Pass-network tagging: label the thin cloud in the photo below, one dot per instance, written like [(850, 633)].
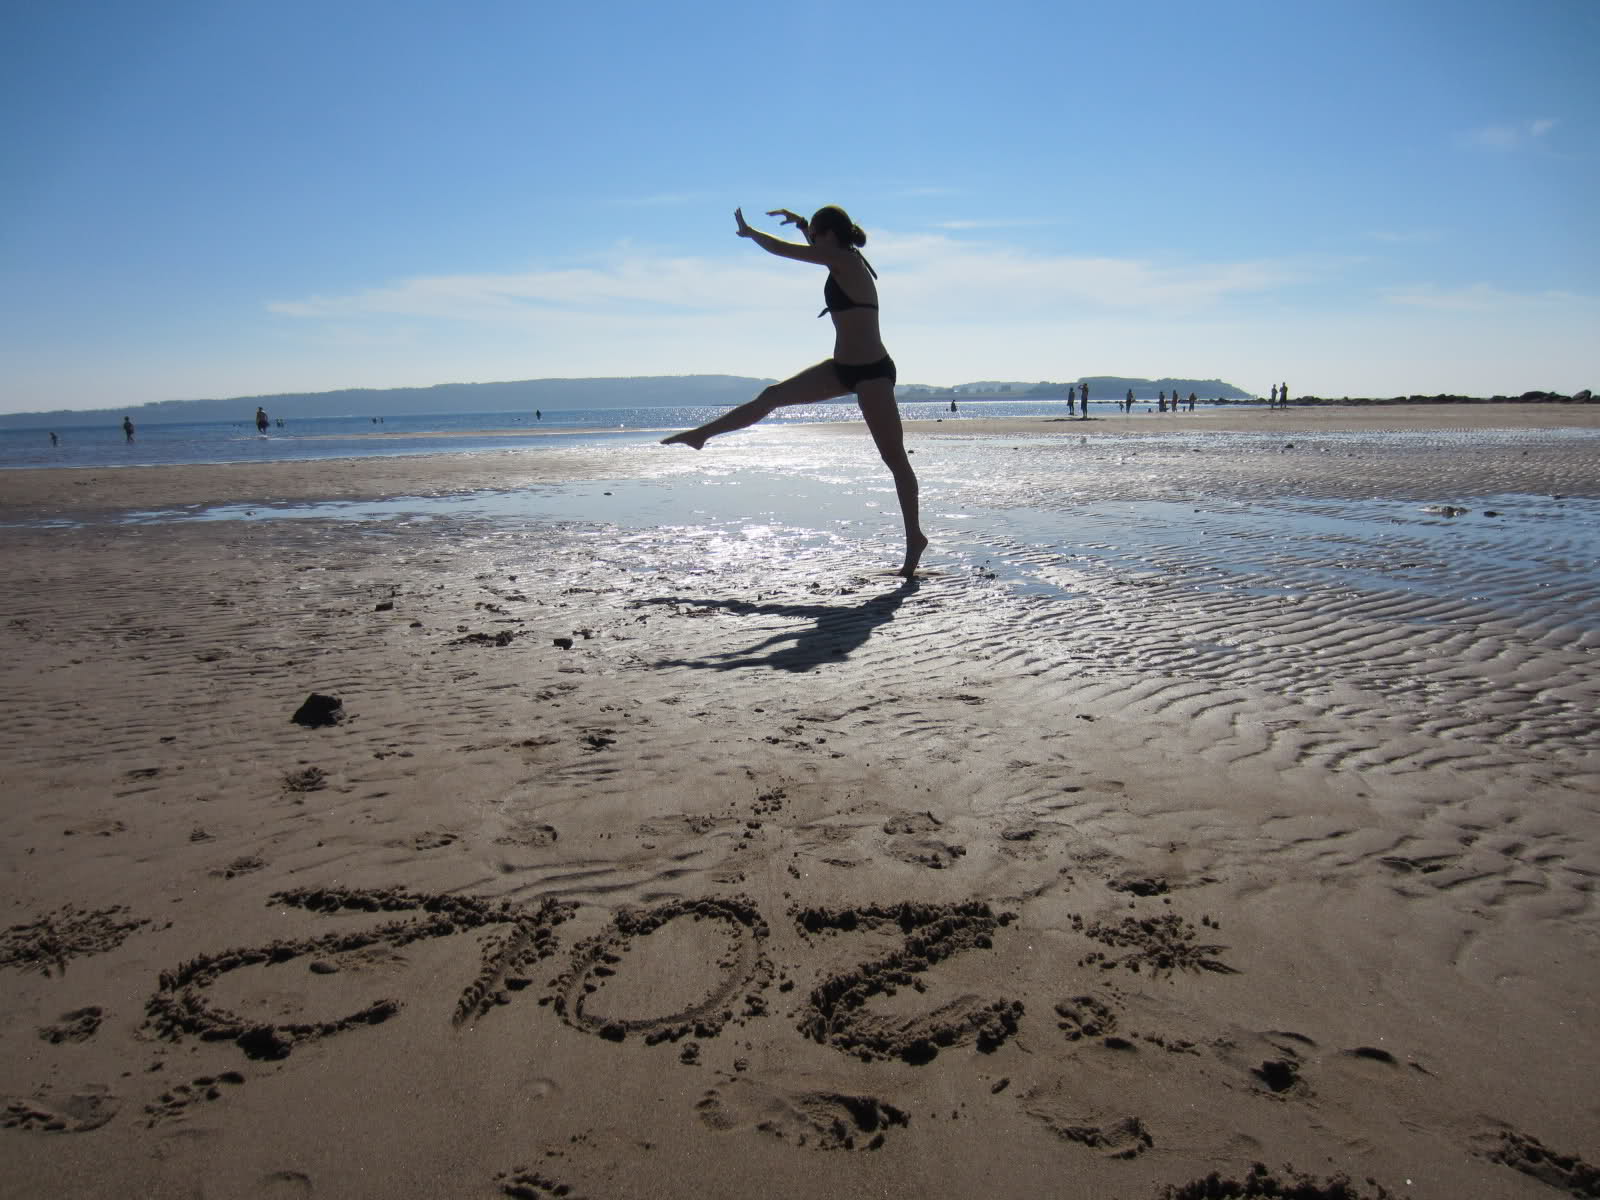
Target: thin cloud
[(992, 281), (637, 285), (1482, 298), (929, 280), (1509, 135)]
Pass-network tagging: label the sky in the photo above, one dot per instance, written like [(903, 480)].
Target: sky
[(211, 198)]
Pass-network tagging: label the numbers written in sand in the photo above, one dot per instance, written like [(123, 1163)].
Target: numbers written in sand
[(637, 977), (185, 1005)]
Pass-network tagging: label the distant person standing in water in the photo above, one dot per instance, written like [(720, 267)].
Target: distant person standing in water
[(127, 428), (1083, 401), (860, 365), (261, 421), (1283, 394), (54, 440)]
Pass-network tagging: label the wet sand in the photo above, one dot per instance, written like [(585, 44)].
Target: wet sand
[(1207, 804), (1319, 419), (34, 493)]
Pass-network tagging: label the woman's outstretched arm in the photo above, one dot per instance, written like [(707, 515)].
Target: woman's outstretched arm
[(772, 245)]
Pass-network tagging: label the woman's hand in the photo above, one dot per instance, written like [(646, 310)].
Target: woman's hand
[(744, 230), (792, 218)]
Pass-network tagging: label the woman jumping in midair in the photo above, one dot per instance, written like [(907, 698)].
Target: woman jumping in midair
[(859, 365)]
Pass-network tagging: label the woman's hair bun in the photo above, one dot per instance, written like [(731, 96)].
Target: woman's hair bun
[(858, 237)]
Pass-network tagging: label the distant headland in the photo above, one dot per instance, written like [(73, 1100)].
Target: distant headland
[(525, 395), (652, 391)]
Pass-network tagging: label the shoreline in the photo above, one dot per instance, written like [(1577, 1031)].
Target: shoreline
[(41, 492)]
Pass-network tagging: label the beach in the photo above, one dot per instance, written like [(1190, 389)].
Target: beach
[(1226, 792)]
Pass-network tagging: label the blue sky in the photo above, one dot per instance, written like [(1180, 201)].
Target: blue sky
[(222, 198)]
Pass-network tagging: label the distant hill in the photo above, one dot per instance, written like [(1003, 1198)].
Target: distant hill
[(523, 396), (1101, 387), (518, 396)]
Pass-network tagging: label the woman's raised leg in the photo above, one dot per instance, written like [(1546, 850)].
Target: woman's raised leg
[(876, 398), (820, 382)]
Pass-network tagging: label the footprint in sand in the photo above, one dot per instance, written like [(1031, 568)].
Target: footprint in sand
[(911, 841), (1085, 1017), (817, 1120), (307, 779), (1522, 1152), (523, 1184), (78, 1111), (433, 839), (1063, 1113), (242, 865), (530, 835), (102, 827), (174, 1103), (79, 1025), (1139, 885)]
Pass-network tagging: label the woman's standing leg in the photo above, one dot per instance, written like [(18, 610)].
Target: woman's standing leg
[(876, 398), (820, 382)]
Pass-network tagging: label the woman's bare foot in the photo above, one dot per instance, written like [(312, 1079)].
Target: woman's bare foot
[(689, 437), (914, 548)]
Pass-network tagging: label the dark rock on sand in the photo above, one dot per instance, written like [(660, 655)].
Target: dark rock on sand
[(1279, 1074), (319, 710)]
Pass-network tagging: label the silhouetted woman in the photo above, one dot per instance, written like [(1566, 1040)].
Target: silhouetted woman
[(860, 365)]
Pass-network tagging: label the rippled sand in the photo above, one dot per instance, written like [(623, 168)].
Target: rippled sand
[(1213, 800)]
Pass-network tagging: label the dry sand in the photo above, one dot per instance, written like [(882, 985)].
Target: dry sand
[(642, 867)]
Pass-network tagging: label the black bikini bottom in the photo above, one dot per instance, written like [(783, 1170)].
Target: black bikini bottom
[(851, 375)]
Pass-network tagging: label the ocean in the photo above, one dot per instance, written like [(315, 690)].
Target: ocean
[(176, 443)]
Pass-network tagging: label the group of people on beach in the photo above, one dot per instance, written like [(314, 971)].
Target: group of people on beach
[(128, 429)]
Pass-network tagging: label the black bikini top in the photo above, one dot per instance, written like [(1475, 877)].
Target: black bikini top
[(835, 297)]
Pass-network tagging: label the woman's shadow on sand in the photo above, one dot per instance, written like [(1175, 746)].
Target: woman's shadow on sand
[(836, 631)]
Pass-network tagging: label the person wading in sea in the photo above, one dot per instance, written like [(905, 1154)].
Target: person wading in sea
[(860, 365)]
